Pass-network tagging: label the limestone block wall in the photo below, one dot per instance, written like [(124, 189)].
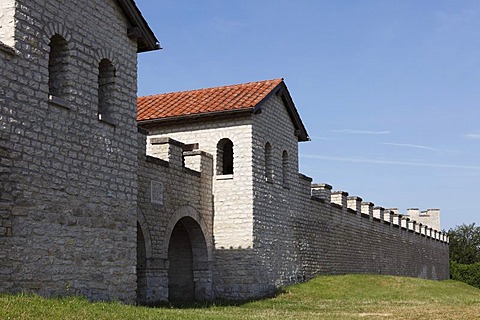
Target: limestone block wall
[(297, 237), (69, 187), (305, 236), (233, 200), (294, 235), (175, 183), (271, 259), (6, 147), (357, 242)]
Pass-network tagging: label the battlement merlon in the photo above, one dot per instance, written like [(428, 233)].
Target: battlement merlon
[(166, 149), (379, 212), (367, 208), (388, 215), (199, 160), (179, 154), (340, 198), (355, 203), (322, 191)]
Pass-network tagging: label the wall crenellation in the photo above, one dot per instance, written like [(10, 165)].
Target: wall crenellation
[(424, 223), (179, 154)]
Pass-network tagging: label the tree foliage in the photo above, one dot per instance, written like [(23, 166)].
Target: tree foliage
[(468, 273), (465, 244)]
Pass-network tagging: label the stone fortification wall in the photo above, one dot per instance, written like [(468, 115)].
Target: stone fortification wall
[(297, 236), (358, 237), (232, 200), (175, 183), (304, 236), (233, 192), (292, 235), (69, 187)]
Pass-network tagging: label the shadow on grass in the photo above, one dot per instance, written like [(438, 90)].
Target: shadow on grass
[(211, 303)]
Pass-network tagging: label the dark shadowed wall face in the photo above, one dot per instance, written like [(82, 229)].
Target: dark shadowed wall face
[(72, 178)]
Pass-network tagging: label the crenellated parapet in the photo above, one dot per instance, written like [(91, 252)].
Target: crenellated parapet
[(423, 223), (180, 155)]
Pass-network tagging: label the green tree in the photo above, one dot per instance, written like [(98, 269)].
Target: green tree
[(465, 244)]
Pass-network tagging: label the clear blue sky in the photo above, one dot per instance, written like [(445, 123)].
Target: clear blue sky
[(389, 90)]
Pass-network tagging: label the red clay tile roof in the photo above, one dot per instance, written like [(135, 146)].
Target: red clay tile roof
[(180, 106), (205, 101)]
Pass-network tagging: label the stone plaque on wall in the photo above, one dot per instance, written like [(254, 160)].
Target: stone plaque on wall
[(156, 192)]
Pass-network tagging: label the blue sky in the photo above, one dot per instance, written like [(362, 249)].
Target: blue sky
[(389, 90)]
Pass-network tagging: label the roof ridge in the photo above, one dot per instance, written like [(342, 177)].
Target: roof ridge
[(217, 87)]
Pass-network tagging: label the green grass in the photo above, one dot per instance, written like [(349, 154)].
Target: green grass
[(325, 297)]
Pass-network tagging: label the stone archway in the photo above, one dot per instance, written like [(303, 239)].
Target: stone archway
[(148, 291), (189, 271), (141, 266), (181, 286)]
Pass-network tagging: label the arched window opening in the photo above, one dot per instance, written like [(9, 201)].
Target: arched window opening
[(268, 163), (225, 157), (58, 67), (285, 168), (106, 90)]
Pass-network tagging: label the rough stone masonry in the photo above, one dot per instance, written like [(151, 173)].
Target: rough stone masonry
[(91, 204)]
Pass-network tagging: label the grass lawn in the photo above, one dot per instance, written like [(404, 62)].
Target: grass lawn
[(325, 297)]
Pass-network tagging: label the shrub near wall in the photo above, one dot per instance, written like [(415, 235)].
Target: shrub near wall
[(468, 273)]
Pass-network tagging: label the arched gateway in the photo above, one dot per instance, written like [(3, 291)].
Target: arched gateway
[(181, 271), (189, 256)]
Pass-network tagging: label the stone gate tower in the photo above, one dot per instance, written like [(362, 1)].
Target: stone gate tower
[(68, 146), (252, 130), (271, 225)]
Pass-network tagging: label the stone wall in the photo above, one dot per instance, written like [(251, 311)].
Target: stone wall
[(175, 184), (295, 235), (357, 242), (233, 201), (69, 186), (84, 211)]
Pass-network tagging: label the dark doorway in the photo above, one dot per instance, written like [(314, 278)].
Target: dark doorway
[(181, 286), (189, 273)]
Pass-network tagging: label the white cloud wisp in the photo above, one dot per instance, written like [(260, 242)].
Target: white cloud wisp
[(391, 162)]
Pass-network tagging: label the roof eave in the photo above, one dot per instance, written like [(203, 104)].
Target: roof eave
[(300, 130), (195, 116), (140, 30)]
